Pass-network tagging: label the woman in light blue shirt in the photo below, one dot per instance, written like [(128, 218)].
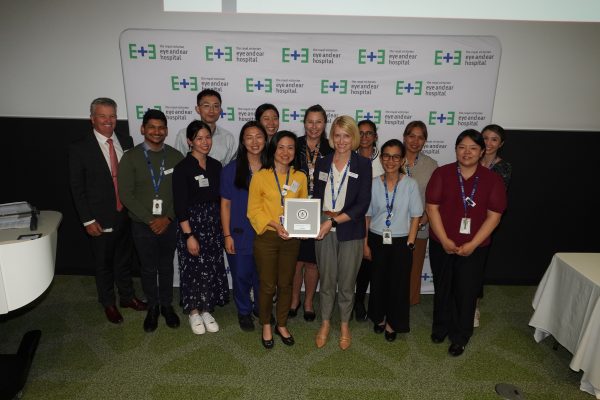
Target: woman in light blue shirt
[(392, 221)]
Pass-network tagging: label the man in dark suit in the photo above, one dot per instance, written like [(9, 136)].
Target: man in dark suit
[(93, 175)]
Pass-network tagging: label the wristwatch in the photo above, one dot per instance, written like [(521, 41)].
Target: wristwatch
[(187, 235), (411, 246), (333, 222)]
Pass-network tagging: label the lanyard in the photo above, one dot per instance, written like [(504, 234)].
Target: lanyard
[(462, 189), (334, 197), (282, 192), (389, 206), (414, 165), (311, 167), (155, 182)]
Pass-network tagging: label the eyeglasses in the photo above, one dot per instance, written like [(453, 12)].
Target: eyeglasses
[(367, 134), (395, 157)]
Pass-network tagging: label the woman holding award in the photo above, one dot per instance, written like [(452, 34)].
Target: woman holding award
[(343, 183), (274, 251)]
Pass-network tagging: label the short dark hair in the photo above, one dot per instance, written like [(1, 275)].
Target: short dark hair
[(152, 113), (242, 169), (496, 129), (260, 110), (273, 147), (194, 127), (397, 143), (316, 108), (474, 135), (102, 101), (370, 123), (415, 124), (208, 92)]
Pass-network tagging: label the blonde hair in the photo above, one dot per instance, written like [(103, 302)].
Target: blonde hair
[(348, 125)]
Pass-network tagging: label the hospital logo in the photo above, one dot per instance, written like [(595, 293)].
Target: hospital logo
[(288, 54), (340, 86), (224, 53), (443, 57), (186, 83), (141, 110), (374, 116), (147, 52), (265, 85), (405, 87), (288, 115), (440, 118), (228, 113), (377, 56)]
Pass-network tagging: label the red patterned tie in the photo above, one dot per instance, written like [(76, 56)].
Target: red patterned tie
[(114, 166)]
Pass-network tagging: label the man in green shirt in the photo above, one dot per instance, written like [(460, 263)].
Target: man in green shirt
[(145, 175)]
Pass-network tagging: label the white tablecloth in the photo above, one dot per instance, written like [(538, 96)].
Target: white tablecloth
[(567, 306)]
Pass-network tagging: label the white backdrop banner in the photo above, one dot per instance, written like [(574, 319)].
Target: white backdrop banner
[(448, 82)]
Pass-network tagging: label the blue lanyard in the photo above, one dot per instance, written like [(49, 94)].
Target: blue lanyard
[(333, 196), (156, 182), (414, 165), (462, 188), (389, 206), (282, 192)]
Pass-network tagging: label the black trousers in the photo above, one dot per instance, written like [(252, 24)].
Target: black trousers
[(390, 282), (156, 258), (363, 279), (457, 281), (112, 253)]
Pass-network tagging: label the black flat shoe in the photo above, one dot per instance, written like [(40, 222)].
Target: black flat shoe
[(437, 339), (267, 344), (288, 341), (170, 315), (309, 316), (293, 311), (456, 350), (151, 320), (390, 336), (378, 328)]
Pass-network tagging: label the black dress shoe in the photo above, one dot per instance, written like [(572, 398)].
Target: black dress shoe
[(378, 328), (437, 339), (170, 315), (360, 313), (390, 336), (151, 320), (309, 316), (293, 311), (288, 341), (113, 314), (456, 350), (246, 322), (267, 344), (135, 304)]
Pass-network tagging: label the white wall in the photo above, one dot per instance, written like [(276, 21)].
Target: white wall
[(56, 56)]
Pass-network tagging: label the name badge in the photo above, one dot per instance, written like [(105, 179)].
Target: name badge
[(157, 207), (323, 176), (295, 186), (465, 226), (168, 171), (387, 236), (202, 181), (352, 175)]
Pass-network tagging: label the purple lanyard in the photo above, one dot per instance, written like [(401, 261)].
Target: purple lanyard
[(462, 189), (389, 206), (333, 196)]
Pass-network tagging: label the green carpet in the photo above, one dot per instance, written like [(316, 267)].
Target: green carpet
[(82, 356)]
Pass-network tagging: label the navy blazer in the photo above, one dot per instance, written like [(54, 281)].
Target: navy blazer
[(358, 194), (91, 180)]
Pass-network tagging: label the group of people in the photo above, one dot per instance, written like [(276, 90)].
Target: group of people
[(209, 194)]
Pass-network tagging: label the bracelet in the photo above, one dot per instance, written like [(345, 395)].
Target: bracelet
[(226, 236)]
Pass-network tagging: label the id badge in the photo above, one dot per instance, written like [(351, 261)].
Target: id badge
[(157, 207), (282, 220), (387, 236), (465, 226)]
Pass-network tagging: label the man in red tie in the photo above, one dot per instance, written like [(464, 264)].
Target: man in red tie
[(93, 167)]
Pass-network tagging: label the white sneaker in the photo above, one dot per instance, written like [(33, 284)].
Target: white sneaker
[(476, 319), (197, 324), (209, 322)]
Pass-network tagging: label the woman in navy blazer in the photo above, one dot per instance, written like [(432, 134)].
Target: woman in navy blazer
[(343, 183)]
